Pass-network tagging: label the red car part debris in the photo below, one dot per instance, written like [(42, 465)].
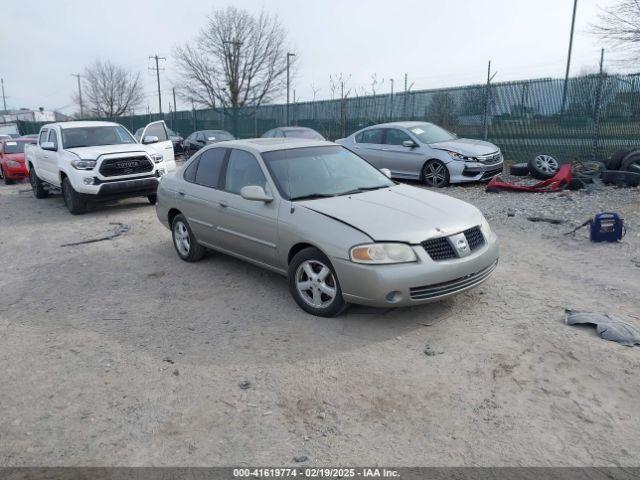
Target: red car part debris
[(559, 181)]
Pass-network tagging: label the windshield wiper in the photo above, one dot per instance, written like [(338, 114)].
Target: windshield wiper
[(363, 189), (311, 196)]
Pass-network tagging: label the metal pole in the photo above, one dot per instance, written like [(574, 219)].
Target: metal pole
[(566, 75), (4, 99), (77, 75), (404, 104), (289, 55), (486, 103), (596, 123), (391, 101)]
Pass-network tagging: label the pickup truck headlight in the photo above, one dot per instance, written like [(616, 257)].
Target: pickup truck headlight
[(83, 164), (157, 157), (382, 253), (459, 156)]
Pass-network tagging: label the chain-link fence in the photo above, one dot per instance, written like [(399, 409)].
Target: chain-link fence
[(599, 114)]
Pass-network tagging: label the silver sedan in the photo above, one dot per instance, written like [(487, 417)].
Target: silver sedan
[(424, 151), (338, 228)]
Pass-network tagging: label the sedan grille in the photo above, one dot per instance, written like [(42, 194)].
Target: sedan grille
[(441, 248), (113, 167), (452, 286), (490, 159)]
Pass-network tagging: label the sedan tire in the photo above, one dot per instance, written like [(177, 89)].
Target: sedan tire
[(7, 181), (435, 174), (519, 169), (184, 241), (631, 162), (314, 285)]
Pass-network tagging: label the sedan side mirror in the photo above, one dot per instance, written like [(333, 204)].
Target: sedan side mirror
[(48, 146), (150, 139), (386, 172), (409, 144), (255, 193)]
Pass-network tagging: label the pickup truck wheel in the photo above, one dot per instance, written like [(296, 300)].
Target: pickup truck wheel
[(36, 184), (153, 198), (184, 240), (71, 198)]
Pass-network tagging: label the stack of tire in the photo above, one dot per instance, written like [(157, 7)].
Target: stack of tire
[(622, 168), (541, 167)]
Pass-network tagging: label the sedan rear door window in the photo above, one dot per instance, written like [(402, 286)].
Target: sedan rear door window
[(371, 136), (209, 167)]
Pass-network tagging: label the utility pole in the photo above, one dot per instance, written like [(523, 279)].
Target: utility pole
[(566, 75), (289, 55), (487, 96), (77, 75), (157, 69), (173, 89), (404, 98), (4, 98), (295, 107)]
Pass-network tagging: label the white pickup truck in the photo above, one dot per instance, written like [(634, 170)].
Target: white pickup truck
[(96, 161)]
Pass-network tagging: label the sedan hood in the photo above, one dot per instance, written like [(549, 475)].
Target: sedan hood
[(92, 153), (16, 157), (401, 213), (466, 146)]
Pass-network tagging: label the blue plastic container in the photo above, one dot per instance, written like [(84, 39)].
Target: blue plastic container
[(607, 227)]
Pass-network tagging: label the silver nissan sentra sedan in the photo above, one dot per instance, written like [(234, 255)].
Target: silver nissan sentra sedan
[(337, 227)]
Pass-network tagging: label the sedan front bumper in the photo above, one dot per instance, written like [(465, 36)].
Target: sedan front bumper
[(415, 283), (473, 171)]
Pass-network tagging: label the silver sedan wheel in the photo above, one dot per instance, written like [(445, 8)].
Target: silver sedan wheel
[(182, 238), (435, 174), (547, 164), (315, 284)]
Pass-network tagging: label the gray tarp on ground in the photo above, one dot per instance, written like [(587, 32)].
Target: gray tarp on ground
[(608, 327)]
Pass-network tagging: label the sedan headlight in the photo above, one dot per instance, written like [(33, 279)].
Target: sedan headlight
[(459, 156), (83, 164), (484, 225), (157, 157), (13, 163), (379, 253)]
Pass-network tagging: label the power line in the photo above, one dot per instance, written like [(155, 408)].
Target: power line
[(157, 69)]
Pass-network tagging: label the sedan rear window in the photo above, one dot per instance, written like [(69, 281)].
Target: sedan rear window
[(15, 147)]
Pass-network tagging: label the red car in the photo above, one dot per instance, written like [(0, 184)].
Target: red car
[(12, 165)]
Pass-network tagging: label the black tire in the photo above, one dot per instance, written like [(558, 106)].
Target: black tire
[(615, 160), (620, 178), (519, 169), (543, 166), (36, 184), (316, 260), (153, 198), (72, 200), (631, 162), (435, 174), (7, 181), (576, 184), (191, 251)]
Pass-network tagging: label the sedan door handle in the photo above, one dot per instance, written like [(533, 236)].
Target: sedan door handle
[(223, 204), (181, 194)]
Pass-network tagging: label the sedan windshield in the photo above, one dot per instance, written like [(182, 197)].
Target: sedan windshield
[(317, 172), (303, 133), (94, 136), (15, 147), (430, 133)]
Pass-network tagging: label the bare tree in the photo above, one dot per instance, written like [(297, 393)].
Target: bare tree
[(237, 60), (619, 26), (110, 90)]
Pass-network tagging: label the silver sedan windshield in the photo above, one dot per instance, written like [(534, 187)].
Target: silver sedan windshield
[(430, 133), (316, 172)]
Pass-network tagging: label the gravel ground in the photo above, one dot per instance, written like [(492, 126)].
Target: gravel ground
[(118, 353)]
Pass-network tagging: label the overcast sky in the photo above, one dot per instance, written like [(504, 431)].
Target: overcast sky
[(437, 43)]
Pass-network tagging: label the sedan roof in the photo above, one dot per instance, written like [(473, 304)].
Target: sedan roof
[(260, 145)]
